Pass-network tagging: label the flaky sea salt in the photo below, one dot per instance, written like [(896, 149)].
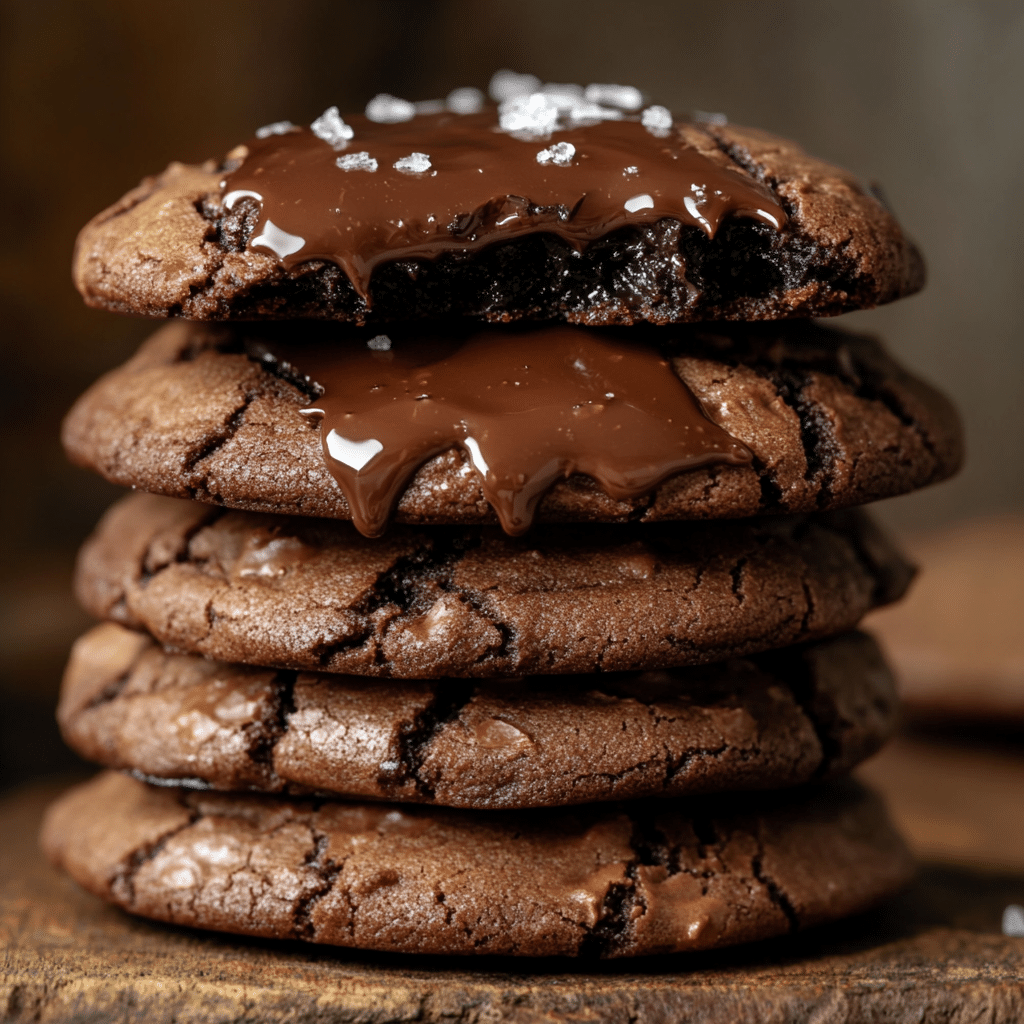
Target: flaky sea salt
[(505, 84), (626, 97), (535, 114), (551, 107), (357, 162), (414, 163), (560, 154), (563, 94), (380, 343), (387, 109), (331, 128), (657, 120), (631, 169), (584, 112), (277, 128), (1013, 921), (465, 101), (573, 105)]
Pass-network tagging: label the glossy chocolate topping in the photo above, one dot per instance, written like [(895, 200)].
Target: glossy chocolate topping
[(442, 182), (527, 407)]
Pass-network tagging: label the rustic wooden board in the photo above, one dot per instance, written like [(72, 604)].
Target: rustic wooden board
[(934, 954)]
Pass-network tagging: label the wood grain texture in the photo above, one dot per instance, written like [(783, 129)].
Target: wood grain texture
[(934, 954)]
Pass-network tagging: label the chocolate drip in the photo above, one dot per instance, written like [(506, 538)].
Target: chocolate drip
[(478, 185), (527, 407)]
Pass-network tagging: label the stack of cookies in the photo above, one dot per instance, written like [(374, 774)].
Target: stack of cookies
[(495, 585)]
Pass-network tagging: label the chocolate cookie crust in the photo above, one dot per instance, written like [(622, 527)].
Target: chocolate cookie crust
[(606, 881), (831, 419), (170, 248), (764, 723), (470, 602)]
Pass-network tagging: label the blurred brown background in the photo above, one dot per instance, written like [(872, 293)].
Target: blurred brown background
[(923, 96)]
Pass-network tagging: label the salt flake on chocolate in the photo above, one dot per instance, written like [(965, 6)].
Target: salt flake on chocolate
[(506, 84), (465, 101), (379, 343), (657, 120), (1013, 921), (414, 163), (560, 154), (387, 109), (626, 97), (590, 113), (533, 115), (574, 107), (357, 162), (277, 128), (332, 129), (563, 94)]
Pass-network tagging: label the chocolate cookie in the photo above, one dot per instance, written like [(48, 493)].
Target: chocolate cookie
[(596, 220), (612, 880), (313, 594), (764, 723), (829, 419)]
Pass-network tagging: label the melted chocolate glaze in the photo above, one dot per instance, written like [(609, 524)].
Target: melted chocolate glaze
[(527, 407), (482, 186)]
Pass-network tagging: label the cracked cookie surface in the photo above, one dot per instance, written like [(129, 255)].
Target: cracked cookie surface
[(605, 880), (831, 419), (312, 594), (170, 248), (761, 723)]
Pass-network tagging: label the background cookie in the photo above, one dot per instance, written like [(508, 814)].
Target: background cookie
[(600, 881), (957, 642), (313, 594), (831, 419), (172, 247), (763, 723)]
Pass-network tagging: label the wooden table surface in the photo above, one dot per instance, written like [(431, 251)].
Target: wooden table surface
[(934, 954)]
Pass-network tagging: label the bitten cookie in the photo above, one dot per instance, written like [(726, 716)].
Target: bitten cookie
[(830, 419), (605, 880), (312, 594), (611, 221), (762, 723)]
